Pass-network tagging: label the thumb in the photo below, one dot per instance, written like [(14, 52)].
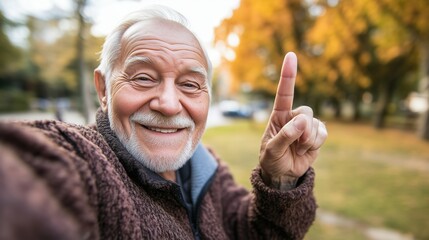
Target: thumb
[(290, 132)]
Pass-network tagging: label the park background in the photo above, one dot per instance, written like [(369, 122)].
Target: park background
[(363, 68)]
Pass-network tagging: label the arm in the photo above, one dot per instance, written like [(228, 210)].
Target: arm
[(266, 213), (40, 190)]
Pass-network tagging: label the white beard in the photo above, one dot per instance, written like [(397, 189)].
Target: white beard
[(157, 163)]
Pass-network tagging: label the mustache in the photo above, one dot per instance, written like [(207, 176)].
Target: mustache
[(155, 119)]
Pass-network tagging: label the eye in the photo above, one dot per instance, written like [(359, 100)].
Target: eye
[(144, 80), (190, 86)]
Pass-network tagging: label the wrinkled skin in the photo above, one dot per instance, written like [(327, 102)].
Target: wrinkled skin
[(162, 72), (293, 137)]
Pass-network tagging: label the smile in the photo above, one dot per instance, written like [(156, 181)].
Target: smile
[(163, 130)]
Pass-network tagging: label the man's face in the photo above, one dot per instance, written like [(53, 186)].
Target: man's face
[(159, 95)]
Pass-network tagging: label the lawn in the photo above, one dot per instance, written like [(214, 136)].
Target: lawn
[(376, 178)]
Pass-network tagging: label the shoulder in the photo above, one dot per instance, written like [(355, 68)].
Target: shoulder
[(49, 134), (59, 131)]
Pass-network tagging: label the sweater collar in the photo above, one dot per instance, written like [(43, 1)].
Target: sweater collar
[(203, 167)]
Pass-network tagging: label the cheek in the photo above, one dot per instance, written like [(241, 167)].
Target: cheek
[(198, 111), (125, 101)]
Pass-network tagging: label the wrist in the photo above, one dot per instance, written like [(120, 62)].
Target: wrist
[(282, 182)]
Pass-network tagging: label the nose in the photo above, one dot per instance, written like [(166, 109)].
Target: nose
[(167, 100)]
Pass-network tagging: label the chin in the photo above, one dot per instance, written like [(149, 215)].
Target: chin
[(157, 162)]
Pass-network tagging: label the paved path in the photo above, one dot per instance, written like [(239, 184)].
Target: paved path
[(215, 118), (69, 116), (372, 233), (406, 162)]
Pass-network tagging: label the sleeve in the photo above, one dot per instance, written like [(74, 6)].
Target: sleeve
[(41, 193), (275, 214), (267, 213)]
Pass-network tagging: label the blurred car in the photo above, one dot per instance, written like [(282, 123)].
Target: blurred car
[(234, 109)]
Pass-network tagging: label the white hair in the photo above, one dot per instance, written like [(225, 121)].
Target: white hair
[(112, 45)]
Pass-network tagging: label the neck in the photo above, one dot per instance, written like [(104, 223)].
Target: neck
[(169, 175)]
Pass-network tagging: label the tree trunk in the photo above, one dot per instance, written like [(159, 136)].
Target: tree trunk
[(356, 100), (381, 111), (86, 101), (383, 103), (423, 129), (337, 107)]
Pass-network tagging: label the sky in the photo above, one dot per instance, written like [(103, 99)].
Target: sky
[(203, 15)]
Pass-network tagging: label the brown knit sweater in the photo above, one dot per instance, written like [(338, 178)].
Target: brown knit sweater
[(64, 181)]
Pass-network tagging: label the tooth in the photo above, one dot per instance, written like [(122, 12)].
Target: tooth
[(164, 130)]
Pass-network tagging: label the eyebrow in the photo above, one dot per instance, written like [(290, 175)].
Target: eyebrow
[(199, 70), (146, 60), (136, 60)]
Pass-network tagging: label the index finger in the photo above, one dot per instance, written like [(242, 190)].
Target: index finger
[(285, 89)]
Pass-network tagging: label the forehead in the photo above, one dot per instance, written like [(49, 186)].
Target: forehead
[(161, 35)]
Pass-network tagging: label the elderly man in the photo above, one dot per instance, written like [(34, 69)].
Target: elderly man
[(141, 172)]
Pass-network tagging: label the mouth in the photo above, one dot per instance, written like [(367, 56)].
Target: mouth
[(163, 130)]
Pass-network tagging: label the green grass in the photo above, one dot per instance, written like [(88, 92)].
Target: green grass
[(361, 174), (237, 144)]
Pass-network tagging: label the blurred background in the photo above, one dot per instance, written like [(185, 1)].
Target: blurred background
[(363, 68)]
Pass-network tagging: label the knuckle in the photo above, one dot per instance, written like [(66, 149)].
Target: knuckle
[(323, 132), (307, 110)]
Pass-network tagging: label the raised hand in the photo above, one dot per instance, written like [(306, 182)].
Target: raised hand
[(292, 139)]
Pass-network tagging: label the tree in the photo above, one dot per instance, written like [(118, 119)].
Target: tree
[(266, 31), (363, 51), (49, 57), (86, 104), (61, 63), (413, 18), (346, 49), (10, 54), (13, 80)]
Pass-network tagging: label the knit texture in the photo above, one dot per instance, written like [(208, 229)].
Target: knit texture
[(64, 181)]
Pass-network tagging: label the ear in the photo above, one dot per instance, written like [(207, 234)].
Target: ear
[(100, 87)]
